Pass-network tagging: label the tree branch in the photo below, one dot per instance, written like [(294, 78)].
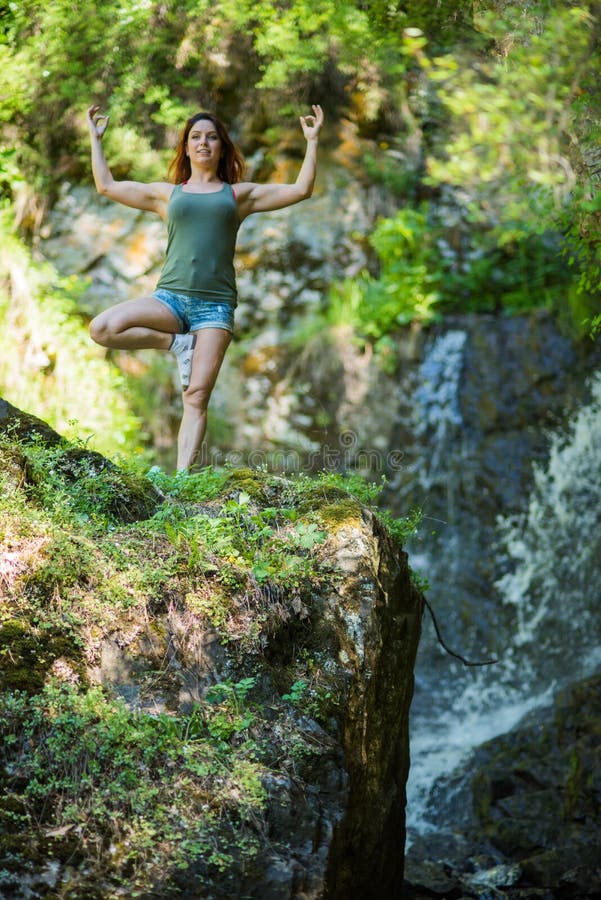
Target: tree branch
[(466, 662)]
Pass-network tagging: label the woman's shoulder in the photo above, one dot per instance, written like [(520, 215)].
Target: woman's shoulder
[(162, 189), (242, 189)]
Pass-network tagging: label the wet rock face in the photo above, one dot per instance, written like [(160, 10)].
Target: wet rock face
[(532, 826), (520, 377), (537, 793)]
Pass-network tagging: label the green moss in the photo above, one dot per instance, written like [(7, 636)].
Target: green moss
[(27, 654), (80, 757), (13, 466), (316, 497), (193, 487), (328, 486), (315, 693), (64, 560), (340, 513), (214, 605), (250, 481)]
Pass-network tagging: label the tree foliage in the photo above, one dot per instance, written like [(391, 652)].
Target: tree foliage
[(57, 55), (521, 125), (508, 131)]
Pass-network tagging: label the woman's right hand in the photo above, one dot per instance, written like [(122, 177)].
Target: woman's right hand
[(97, 124)]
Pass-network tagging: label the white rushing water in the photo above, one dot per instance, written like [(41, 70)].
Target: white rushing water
[(555, 546), (551, 591), (436, 414)]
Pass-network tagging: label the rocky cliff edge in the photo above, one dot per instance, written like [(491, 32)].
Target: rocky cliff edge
[(205, 681)]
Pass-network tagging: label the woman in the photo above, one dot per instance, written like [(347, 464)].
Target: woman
[(191, 312)]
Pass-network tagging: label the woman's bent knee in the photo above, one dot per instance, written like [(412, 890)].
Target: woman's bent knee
[(98, 332)]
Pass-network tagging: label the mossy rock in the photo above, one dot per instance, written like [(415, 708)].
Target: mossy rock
[(317, 497), (536, 789), (63, 562), (249, 481), (126, 497), (33, 453), (346, 511), (13, 465), (229, 785), (25, 428), (96, 486), (26, 656)]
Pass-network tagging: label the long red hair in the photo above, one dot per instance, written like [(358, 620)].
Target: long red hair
[(231, 165)]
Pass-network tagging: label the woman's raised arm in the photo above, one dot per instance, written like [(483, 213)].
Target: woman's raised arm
[(266, 197), (152, 197)]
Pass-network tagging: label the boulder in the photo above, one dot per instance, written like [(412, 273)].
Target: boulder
[(533, 827), (179, 717), (537, 793)]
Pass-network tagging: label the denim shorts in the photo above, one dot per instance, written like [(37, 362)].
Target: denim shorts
[(194, 313)]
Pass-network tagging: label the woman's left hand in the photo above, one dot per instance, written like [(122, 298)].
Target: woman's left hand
[(312, 124)]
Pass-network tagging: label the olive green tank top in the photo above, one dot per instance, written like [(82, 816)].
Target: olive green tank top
[(201, 240)]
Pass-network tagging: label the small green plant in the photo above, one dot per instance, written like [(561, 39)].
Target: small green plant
[(594, 326), (297, 691), (419, 580), (316, 486), (229, 712), (402, 527), (307, 536), (190, 486), (81, 486), (267, 544), (312, 697)]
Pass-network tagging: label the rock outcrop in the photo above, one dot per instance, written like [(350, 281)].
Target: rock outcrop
[(528, 813), (208, 700)]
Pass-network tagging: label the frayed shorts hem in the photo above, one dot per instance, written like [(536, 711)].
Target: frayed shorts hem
[(221, 325)]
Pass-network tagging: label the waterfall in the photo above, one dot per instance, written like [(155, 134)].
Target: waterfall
[(436, 415), (548, 614), (556, 545)]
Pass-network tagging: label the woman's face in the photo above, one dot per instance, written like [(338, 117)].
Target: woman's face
[(204, 144)]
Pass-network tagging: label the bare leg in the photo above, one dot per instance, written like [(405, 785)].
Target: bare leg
[(135, 325), (211, 344)]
